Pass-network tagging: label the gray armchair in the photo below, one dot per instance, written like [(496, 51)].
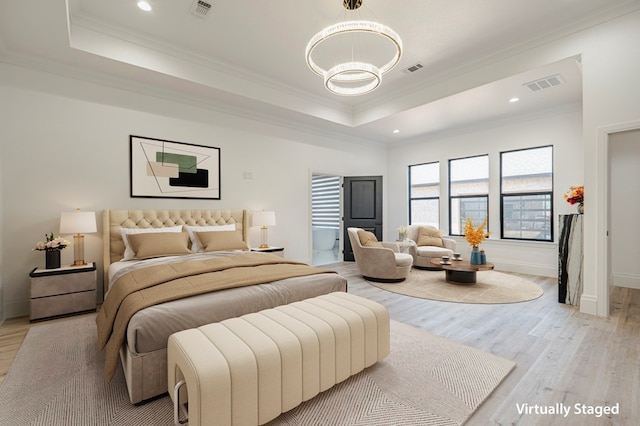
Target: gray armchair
[(381, 262), (428, 248)]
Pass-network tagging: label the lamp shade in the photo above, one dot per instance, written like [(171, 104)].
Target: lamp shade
[(263, 218), (77, 222)]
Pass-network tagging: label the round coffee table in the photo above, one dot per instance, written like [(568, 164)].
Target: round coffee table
[(461, 271)]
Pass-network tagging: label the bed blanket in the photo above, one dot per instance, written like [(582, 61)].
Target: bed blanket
[(156, 284)]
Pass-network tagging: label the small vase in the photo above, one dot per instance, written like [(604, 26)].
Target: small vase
[(475, 256), (402, 236), (581, 208), (52, 259)]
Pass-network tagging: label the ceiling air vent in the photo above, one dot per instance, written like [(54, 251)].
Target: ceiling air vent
[(545, 83), (413, 68), (201, 8)]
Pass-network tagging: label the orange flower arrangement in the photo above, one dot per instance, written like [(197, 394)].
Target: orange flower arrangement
[(575, 194), (475, 235)]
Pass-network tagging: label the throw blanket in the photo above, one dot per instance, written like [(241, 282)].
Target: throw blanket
[(156, 284)]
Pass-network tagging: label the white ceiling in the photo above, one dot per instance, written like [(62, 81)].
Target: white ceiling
[(248, 57)]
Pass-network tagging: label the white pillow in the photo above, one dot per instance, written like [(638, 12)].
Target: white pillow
[(195, 244), (128, 252)]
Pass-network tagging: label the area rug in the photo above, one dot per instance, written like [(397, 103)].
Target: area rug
[(491, 287), (57, 379)]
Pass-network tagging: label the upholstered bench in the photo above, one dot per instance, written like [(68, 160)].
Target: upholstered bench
[(249, 370)]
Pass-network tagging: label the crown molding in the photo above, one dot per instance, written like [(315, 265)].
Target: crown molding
[(336, 139)]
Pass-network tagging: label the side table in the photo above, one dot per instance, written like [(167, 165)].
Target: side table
[(62, 291), (404, 245)]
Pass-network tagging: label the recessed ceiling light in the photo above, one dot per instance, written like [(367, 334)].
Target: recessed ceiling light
[(143, 5), (513, 100), (396, 131)]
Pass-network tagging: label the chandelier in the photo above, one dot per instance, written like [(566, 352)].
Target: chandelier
[(354, 75)]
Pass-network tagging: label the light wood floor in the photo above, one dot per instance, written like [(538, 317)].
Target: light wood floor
[(562, 356)]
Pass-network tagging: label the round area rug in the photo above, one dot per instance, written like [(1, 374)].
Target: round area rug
[(491, 287)]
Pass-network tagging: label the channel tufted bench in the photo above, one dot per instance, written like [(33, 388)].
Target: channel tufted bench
[(249, 370)]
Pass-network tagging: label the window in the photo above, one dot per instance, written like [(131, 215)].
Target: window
[(526, 182), (468, 192), (424, 194)]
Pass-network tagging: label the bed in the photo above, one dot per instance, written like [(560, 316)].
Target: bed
[(142, 347)]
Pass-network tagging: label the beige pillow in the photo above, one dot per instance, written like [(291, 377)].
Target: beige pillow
[(125, 232), (429, 236), (221, 240), (159, 244), (195, 244), (368, 239)]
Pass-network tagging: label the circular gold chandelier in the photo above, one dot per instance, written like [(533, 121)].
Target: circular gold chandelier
[(353, 77)]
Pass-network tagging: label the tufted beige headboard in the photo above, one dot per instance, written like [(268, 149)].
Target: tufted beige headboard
[(113, 220)]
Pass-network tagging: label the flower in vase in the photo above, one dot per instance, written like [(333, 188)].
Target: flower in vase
[(51, 243), (575, 195), (475, 235), (402, 231)]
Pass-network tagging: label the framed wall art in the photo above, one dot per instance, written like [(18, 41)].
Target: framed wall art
[(168, 169)]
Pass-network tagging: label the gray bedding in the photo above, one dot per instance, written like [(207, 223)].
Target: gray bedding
[(150, 328)]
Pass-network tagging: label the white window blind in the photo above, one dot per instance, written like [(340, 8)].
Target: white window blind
[(325, 201)]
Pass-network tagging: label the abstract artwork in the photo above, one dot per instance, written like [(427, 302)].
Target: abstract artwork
[(167, 169)]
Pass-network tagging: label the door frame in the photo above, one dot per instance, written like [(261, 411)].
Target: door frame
[(600, 255)]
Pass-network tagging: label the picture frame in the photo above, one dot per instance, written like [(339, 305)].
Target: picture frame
[(169, 169)]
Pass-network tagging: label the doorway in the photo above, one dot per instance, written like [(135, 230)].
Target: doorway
[(605, 235), (624, 157), (362, 208), (326, 207)]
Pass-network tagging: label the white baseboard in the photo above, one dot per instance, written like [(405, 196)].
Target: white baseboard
[(588, 304), (526, 268), (625, 280)]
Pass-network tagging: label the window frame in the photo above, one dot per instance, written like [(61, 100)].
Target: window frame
[(411, 199), (451, 197), (524, 194)]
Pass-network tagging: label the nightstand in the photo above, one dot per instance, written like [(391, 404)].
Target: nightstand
[(275, 250), (62, 291)]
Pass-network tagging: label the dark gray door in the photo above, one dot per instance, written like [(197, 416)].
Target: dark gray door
[(362, 208)]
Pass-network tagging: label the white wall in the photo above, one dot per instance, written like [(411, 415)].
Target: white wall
[(624, 155), (61, 153), (561, 128), (3, 111), (611, 65)]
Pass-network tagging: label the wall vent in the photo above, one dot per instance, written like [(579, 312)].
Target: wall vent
[(413, 68), (201, 8), (545, 83)]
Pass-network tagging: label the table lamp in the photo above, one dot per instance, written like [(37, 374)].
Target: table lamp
[(263, 219), (78, 223)]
